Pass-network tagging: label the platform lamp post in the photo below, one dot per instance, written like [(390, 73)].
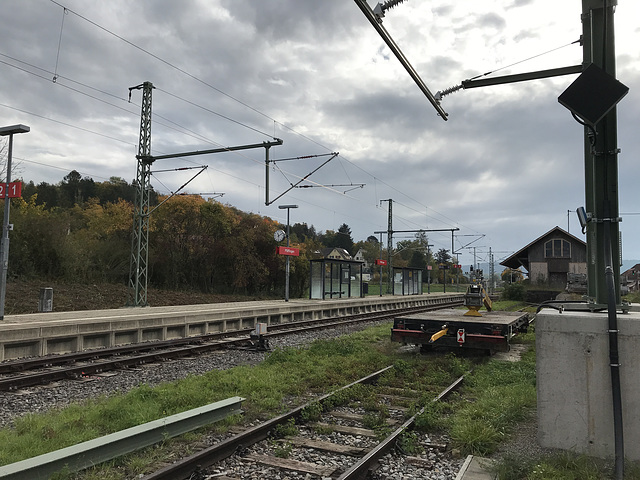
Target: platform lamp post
[(6, 226), (286, 288)]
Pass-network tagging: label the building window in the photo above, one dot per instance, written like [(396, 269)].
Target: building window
[(557, 248)]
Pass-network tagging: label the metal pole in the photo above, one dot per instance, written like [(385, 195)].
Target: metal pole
[(389, 248), (601, 158), (286, 293), (6, 226), (428, 270), (380, 265), (4, 255)]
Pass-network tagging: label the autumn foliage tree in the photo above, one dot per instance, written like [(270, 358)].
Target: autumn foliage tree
[(80, 231)]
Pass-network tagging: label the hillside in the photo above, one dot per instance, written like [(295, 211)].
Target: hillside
[(22, 296)]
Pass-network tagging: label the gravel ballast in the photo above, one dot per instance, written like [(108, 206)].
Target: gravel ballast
[(434, 464)]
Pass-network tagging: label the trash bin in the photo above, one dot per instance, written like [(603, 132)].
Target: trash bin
[(45, 302), (365, 288)]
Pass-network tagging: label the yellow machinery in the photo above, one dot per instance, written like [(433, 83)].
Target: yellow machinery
[(474, 299)]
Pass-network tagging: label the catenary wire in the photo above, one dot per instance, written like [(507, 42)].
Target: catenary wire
[(222, 92)]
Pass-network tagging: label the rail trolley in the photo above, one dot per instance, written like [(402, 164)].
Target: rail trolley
[(490, 331)]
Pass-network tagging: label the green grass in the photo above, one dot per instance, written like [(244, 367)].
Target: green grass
[(285, 374), (499, 395), (496, 397), (632, 297)]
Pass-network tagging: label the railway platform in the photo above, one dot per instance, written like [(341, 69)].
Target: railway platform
[(64, 332)]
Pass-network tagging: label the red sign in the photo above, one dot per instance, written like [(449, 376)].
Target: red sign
[(429, 267), (457, 266), (14, 190), (294, 252), (381, 262), (461, 336)]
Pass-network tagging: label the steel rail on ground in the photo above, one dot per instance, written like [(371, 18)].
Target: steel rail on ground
[(184, 468), (169, 349), (361, 469)]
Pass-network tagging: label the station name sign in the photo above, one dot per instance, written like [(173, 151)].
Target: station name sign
[(294, 252), (11, 190)]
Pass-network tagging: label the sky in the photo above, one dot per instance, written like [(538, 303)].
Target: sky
[(506, 167)]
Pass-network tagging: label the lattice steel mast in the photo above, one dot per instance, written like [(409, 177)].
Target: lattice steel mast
[(137, 293)]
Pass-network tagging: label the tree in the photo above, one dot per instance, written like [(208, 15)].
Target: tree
[(116, 188), (340, 239), (511, 275), (16, 166), (442, 256), (343, 238), (75, 189), (303, 231)]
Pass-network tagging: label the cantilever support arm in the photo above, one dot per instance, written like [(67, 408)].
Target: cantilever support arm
[(151, 158), (522, 77), (400, 56), (294, 185)]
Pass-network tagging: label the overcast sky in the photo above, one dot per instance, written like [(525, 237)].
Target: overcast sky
[(508, 164)]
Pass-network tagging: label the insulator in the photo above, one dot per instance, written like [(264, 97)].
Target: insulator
[(443, 93), (390, 4)]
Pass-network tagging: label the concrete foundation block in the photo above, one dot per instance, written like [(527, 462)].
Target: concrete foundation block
[(575, 407)]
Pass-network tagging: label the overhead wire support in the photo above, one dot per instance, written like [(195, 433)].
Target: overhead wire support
[(303, 157), (380, 9), (138, 270), (203, 194), (475, 82), (137, 291), (333, 185), (178, 169), (173, 194), (293, 185), (377, 24)]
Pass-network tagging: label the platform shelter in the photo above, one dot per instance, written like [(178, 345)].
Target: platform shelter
[(407, 281), (333, 278)]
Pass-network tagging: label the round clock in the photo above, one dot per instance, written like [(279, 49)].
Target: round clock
[(279, 235)]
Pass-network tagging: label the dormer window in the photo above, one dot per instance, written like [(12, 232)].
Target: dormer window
[(557, 248)]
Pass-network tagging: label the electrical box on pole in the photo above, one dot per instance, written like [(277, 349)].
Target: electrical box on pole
[(601, 156)]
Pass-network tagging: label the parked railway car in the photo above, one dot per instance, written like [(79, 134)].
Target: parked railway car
[(451, 328)]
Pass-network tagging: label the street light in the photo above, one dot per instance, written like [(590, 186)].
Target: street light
[(4, 242), (286, 288)]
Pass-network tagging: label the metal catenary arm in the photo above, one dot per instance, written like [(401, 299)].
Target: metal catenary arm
[(377, 24)]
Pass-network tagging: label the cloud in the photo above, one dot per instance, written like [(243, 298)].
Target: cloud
[(508, 163)]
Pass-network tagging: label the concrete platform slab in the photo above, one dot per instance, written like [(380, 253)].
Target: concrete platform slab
[(475, 468), (63, 332)]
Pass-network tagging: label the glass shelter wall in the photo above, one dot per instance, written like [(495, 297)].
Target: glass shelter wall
[(407, 281), (335, 279)]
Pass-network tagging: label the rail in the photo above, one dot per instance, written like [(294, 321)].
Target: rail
[(92, 452), (102, 360)]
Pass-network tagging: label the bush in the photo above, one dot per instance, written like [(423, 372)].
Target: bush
[(513, 291)]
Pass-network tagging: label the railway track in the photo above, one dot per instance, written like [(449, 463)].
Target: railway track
[(28, 372), (321, 439)]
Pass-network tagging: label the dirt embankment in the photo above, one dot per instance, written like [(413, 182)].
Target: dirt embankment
[(22, 296)]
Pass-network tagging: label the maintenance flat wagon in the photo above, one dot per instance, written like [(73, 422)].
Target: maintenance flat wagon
[(490, 331)]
